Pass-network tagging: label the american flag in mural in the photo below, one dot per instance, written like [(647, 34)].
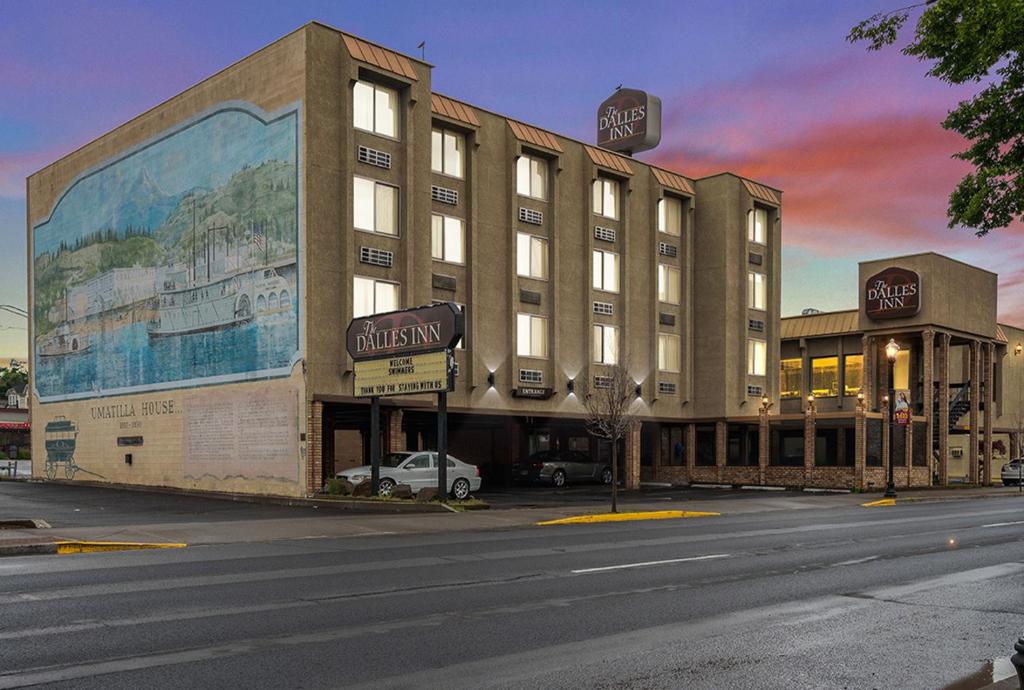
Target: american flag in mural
[(257, 238)]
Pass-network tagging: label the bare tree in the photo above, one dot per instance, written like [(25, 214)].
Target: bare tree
[(608, 400)]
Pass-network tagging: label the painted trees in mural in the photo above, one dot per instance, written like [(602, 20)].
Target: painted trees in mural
[(173, 264)]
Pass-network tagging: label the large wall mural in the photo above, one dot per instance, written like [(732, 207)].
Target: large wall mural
[(175, 264)]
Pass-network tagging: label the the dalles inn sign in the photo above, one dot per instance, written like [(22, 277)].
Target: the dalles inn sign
[(892, 294), (629, 121)]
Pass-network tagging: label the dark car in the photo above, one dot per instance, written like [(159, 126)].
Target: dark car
[(561, 467)]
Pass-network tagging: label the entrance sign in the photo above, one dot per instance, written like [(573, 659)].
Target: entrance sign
[(404, 352), (894, 293), (404, 374), (629, 121), (408, 331), (538, 393)]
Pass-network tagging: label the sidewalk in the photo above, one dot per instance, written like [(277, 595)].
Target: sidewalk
[(101, 514)]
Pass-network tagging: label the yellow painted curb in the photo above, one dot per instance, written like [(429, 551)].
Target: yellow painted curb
[(624, 517), (65, 547), (880, 502)]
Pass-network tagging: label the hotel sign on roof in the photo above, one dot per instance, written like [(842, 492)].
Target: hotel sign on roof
[(629, 121), (892, 294)]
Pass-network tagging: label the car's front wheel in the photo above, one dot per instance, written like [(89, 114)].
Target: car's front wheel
[(606, 475), (460, 489), (385, 487), (558, 478)]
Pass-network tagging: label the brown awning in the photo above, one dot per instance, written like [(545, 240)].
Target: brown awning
[(813, 325), (673, 181), (759, 191), (1001, 335), (532, 135), (609, 160), (380, 57), (442, 105)]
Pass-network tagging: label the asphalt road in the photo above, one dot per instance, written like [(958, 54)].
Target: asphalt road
[(914, 596)]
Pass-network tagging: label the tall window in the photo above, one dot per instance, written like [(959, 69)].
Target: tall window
[(606, 198), (668, 352), (901, 370), (447, 235), (668, 284), (375, 108), (531, 177), (757, 225), (853, 376), (825, 377), (789, 378), (606, 271), (606, 344), (756, 290), (531, 256), (670, 216), (757, 357), (371, 296), (374, 206), (531, 335), (446, 152)]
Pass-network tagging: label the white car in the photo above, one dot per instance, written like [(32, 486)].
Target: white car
[(418, 469)]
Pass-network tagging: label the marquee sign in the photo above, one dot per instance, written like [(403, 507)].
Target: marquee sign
[(629, 121), (894, 293), (404, 374), (408, 331)]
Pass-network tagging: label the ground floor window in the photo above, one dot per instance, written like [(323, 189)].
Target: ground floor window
[(673, 446), (741, 445), (705, 448)]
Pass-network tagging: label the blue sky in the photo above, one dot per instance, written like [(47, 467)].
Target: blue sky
[(768, 90)]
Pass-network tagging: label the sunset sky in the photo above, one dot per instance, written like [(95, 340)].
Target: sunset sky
[(767, 90)]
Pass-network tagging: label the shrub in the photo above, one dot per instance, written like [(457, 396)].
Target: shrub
[(24, 454)]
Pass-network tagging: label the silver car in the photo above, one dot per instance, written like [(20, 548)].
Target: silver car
[(1012, 472), (561, 467), (418, 469)]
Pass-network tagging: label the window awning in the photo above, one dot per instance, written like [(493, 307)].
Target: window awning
[(759, 191), (442, 105), (532, 135), (380, 57), (673, 181), (609, 160), (15, 426)]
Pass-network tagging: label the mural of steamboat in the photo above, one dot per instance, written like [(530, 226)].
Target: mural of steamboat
[(224, 303), (230, 298)]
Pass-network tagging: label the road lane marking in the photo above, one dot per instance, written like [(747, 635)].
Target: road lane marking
[(1005, 524), (855, 561), (645, 564)]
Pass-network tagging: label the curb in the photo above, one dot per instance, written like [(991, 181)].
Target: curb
[(626, 517), (24, 523), (947, 498), (69, 546)]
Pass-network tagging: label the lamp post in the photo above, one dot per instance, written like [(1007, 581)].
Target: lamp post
[(1019, 431), (892, 349)]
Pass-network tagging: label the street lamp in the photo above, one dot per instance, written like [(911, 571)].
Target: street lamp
[(892, 349)]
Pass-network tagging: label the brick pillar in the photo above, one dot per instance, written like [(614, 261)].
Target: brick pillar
[(886, 430), (396, 438), (868, 347), (975, 353), (691, 450), (763, 440), (314, 447), (908, 450), (990, 406), (810, 430), (632, 459), (860, 444), (928, 338), (943, 420), (720, 448)]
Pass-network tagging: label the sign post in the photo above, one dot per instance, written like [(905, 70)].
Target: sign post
[(401, 353)]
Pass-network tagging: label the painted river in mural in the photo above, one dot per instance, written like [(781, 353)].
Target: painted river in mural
[(174, 264)]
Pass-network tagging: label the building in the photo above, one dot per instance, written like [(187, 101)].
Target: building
[(959, 371), (321, 178)]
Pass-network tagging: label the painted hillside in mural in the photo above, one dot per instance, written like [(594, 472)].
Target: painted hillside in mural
[(174, 264)]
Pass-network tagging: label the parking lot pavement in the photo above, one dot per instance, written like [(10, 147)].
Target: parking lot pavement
[(64, 505), (540, 496)]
